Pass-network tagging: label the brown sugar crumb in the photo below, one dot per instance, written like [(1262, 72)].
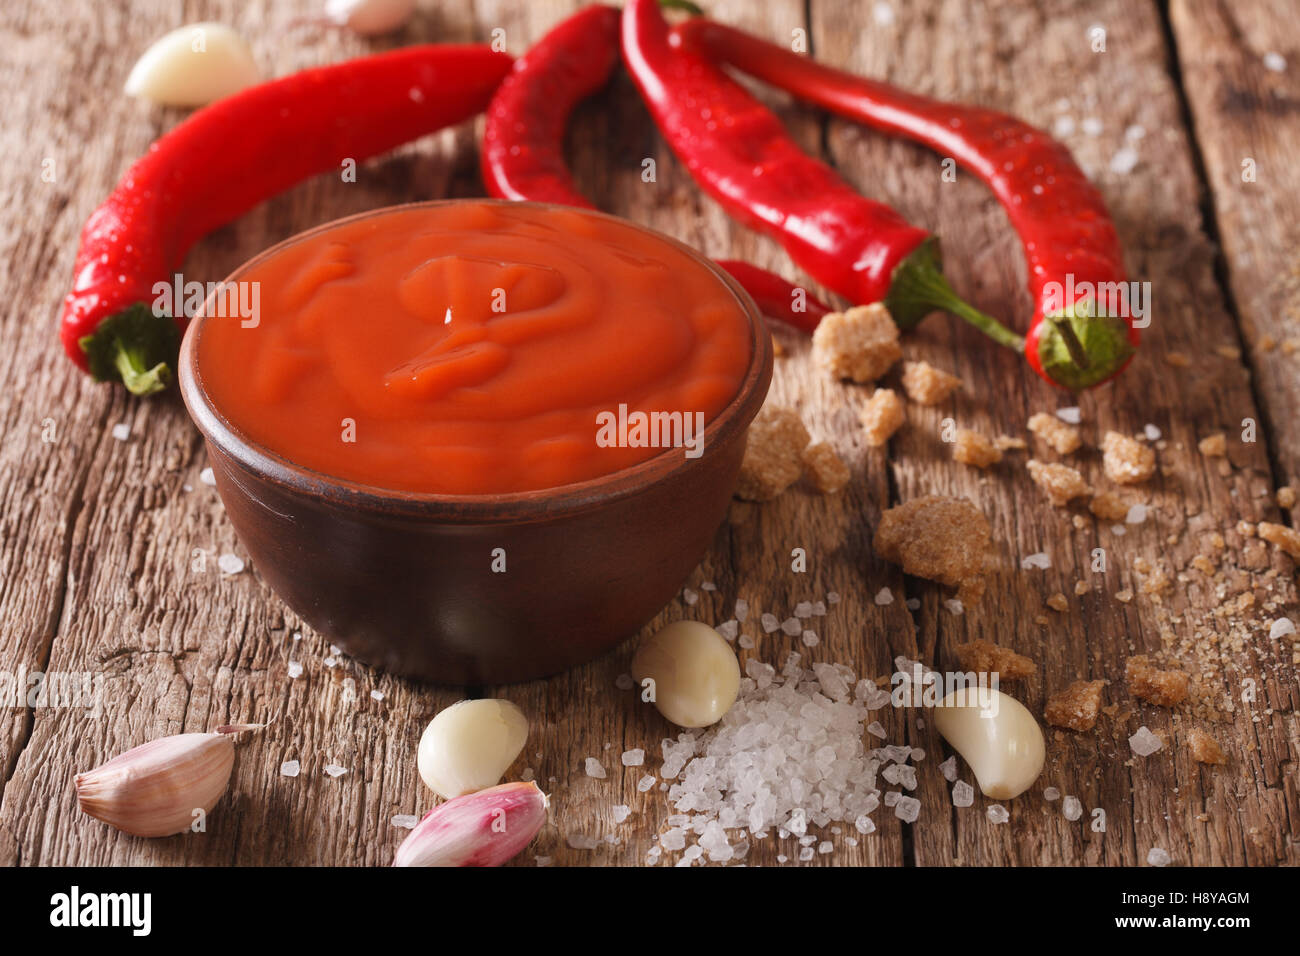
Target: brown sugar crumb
[(1286, 497), (1157, 582), (1213, 446), (1079, 522), (1058, 602), (1127, 461), (1204, 748), (860, 344), (1061, 437), (985, 657), (881, 416), (778, 349), (1149, 683), (1228, 351), (1061, 482), (1076, 707), (943, 539), (772, 461), (1246, 529), (1288, 539), (1267, 343), (927, 385), (972, 448), (1178, 359), (1124, 596), (1080, 588), (1108, 507), (1204, 565), (824, 468), (1007, 443)]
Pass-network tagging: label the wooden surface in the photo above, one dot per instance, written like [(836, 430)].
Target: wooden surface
[(99, 562)]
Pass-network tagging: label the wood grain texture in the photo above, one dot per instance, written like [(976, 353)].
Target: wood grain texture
[(108, 557)]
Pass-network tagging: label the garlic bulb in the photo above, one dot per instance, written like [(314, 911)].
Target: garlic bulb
[(480, 829), (470, 745), (369, 17), (155, 789), (193, 66)]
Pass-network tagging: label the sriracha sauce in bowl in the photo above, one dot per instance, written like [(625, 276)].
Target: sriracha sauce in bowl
[(474, 441)]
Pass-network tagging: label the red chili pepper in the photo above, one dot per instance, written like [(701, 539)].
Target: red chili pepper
[(738, 151), (1068, 235), (523, 139), (227, 158)]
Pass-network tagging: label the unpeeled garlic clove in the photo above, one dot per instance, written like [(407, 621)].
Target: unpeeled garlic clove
[(154, 790), (695, 672), (193, 66), (480, 829), (996, 735), (470, 745), (369, 17)]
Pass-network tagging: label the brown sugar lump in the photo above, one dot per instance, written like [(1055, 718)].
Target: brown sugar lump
[(1204, 748), (972, 448), (1288, 539), (1165, 688), (1213, 446), (985, 657), (1061, 483), (773, 452), (860, 344), (1126, 460), (943, 539), (824, 468), (1062, 438), (927, 385), (1286, 497), (1108, 507), (1076, 707), (881, 416)]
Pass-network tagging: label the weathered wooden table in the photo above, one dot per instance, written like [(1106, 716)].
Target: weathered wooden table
[(1188, 124)]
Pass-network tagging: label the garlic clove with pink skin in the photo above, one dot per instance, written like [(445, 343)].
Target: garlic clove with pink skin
[(486, 828), (161, 788), (369, 17)]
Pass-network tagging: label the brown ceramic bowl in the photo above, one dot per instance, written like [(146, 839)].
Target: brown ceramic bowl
[(403, 581)]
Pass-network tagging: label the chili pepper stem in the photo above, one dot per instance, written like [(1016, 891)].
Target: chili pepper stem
[(136, 347), (1072, 344), (918, 287)]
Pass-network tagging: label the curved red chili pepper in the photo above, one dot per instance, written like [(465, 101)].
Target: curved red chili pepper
[(739, 152), (1058, 214), (227, 158), (523, 139)]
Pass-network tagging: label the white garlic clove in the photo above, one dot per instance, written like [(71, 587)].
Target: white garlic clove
[(155, 789), (470, 745), (480, 829), (193, 66), (369, 17), (696, 675), (996, 735)]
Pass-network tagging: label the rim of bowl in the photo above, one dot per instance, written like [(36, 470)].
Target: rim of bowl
[(261, 461)]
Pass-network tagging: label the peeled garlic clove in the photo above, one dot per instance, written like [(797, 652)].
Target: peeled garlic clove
[(155, 789), (193, 66), (369, 17), (481, 829), (696, 675), (470, 746), (996, 735)]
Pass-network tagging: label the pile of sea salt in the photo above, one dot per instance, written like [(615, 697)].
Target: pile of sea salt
[(788, 755)]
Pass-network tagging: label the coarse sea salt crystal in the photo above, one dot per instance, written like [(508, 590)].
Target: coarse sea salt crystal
[(1051, 794), (122, 431), (826, 846), (1092, 126), (832, 597), (1071, 414), (1124, 160), (708, 586), (1118, 529), (819, 609), (295, 669), (593, 768), (954, 606), (633, 758), (1136, 514), (377, 695), (290, 768), (334, 770), (729, 629), (405, 821), (792, 626), (998, 814), (207, 477), (884, 596), (330, 662), (1281, 628), (746, 641), (742, 610), (542, 860), (624, 682), (908, 809), (913, 604), (1275, 62), (877, 730), (806, 854), (1152, 432), (882, 13), (769, 623), (1158, 857), (581, 841), (230, 563), (803, 609), (689, 596), (1071, 808), (621, 812), (949, 769), (963, 794), (810, 639), (1040, 559), (645, 783), (1063, 126), (1144, 742)]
